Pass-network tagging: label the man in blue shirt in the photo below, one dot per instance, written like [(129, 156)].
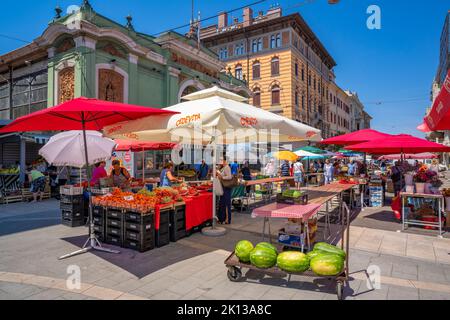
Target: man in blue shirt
[(234, 168), (352, 168), (285, 169), (203, 171)]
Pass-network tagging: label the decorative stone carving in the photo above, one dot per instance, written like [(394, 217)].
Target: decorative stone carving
[(112, 50), (66, 84), (66, 45), (110, 86)]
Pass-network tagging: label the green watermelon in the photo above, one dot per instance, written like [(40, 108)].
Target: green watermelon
[(293, 261), (263, 257), (328, 248), (313, 254), (268, 246), (327, 264), (243, 249)]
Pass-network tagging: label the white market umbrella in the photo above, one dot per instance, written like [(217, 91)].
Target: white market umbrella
[(215, 116), (67, 149), (209, 114)]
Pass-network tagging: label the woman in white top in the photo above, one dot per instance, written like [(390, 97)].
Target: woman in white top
[(225, 200), (298, 173)]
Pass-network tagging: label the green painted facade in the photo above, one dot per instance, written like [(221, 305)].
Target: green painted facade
[(150, 83)]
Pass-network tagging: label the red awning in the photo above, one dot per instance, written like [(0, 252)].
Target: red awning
[(423, 127), (70, 115), (439, 116), (418, 156), (402, 143), (137, 146), (356, 137)]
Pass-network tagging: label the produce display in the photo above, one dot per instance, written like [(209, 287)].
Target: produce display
[(293, 261), (9, 171), (187, 173), (243, 250), (292, 194), (324, 260)]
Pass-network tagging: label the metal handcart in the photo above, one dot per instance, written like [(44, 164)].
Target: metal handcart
[(235, 266)]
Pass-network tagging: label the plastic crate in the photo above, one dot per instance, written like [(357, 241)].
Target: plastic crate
[(72, 222), (177, 221), (139, 246), (114, 240), (68, 199), (70, 190), (302, 200), (73, 215), (291, 240)]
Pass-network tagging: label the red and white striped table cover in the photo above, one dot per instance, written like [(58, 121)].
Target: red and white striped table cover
[(281, 210)]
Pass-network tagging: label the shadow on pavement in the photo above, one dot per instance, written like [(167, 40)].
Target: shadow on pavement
[(27, 222), (143, 264)]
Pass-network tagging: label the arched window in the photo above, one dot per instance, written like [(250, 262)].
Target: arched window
[(275, 95), (256, 70), (257, 45), (275, 41), (238, 72), (257, 97), (275, 66)]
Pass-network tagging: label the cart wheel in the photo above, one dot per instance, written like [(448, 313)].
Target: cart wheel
[(234, 274), (340, 290)]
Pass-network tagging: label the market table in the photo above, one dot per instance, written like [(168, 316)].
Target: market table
[(198, 209), (435, 197), (267, 181), (281, 210)]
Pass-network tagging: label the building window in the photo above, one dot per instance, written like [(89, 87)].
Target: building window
[(303, 74), (303, 102), (223, 53), (238, 72), (296, 98), (275, 41), (314, 82), (309, 80), (256, 70), (275, 95), (296, 69), (257, 97), (239, 49), (275, 66), (257, 45)]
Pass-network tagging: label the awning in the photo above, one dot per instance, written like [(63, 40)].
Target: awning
[(439, 116)]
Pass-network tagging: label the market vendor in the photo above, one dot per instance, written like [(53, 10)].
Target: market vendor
[(167, 178), (246, 175), (99, 172), (120, 176)]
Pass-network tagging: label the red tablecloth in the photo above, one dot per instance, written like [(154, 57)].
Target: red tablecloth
[(198, 209), (281, 210)]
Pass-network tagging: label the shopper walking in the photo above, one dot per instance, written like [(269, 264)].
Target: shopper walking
[(246, 175), (285, 169), (38, 182), (328, 172), (298, 174), (397, 177), (225, 200)]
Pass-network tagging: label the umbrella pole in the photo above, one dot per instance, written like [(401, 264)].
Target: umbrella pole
[(143, 166), (92, 242), (213, 231)]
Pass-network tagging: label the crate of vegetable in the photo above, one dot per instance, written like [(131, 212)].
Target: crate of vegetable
[(292, 197)]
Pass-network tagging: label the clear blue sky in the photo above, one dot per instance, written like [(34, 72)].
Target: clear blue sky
[(390, 65)]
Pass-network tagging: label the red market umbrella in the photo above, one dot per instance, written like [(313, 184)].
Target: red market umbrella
[(439, 116), (418, 156), (356, 137), (142, 146), (83, 114), (402, 143)]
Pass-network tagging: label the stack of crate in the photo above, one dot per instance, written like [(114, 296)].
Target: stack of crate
[(139, 231), (114, 226), (73, 212), (98, 217), (162, 235), (177, 221)]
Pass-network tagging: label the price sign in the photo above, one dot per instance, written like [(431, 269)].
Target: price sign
[(129, 198)]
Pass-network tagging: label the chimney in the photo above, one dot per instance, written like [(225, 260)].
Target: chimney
[(274, 12), (248, 17), (223, 20)]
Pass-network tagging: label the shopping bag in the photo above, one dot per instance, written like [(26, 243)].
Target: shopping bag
[(218, 189), (396, 206)]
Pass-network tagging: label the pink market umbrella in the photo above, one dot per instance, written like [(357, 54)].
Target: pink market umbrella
[(356, 137), (402, 143), (439, 116)]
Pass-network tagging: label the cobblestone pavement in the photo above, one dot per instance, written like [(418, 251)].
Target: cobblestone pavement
[(31, 239)]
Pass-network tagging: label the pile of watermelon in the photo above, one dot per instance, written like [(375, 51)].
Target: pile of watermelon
[(324, 260)]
